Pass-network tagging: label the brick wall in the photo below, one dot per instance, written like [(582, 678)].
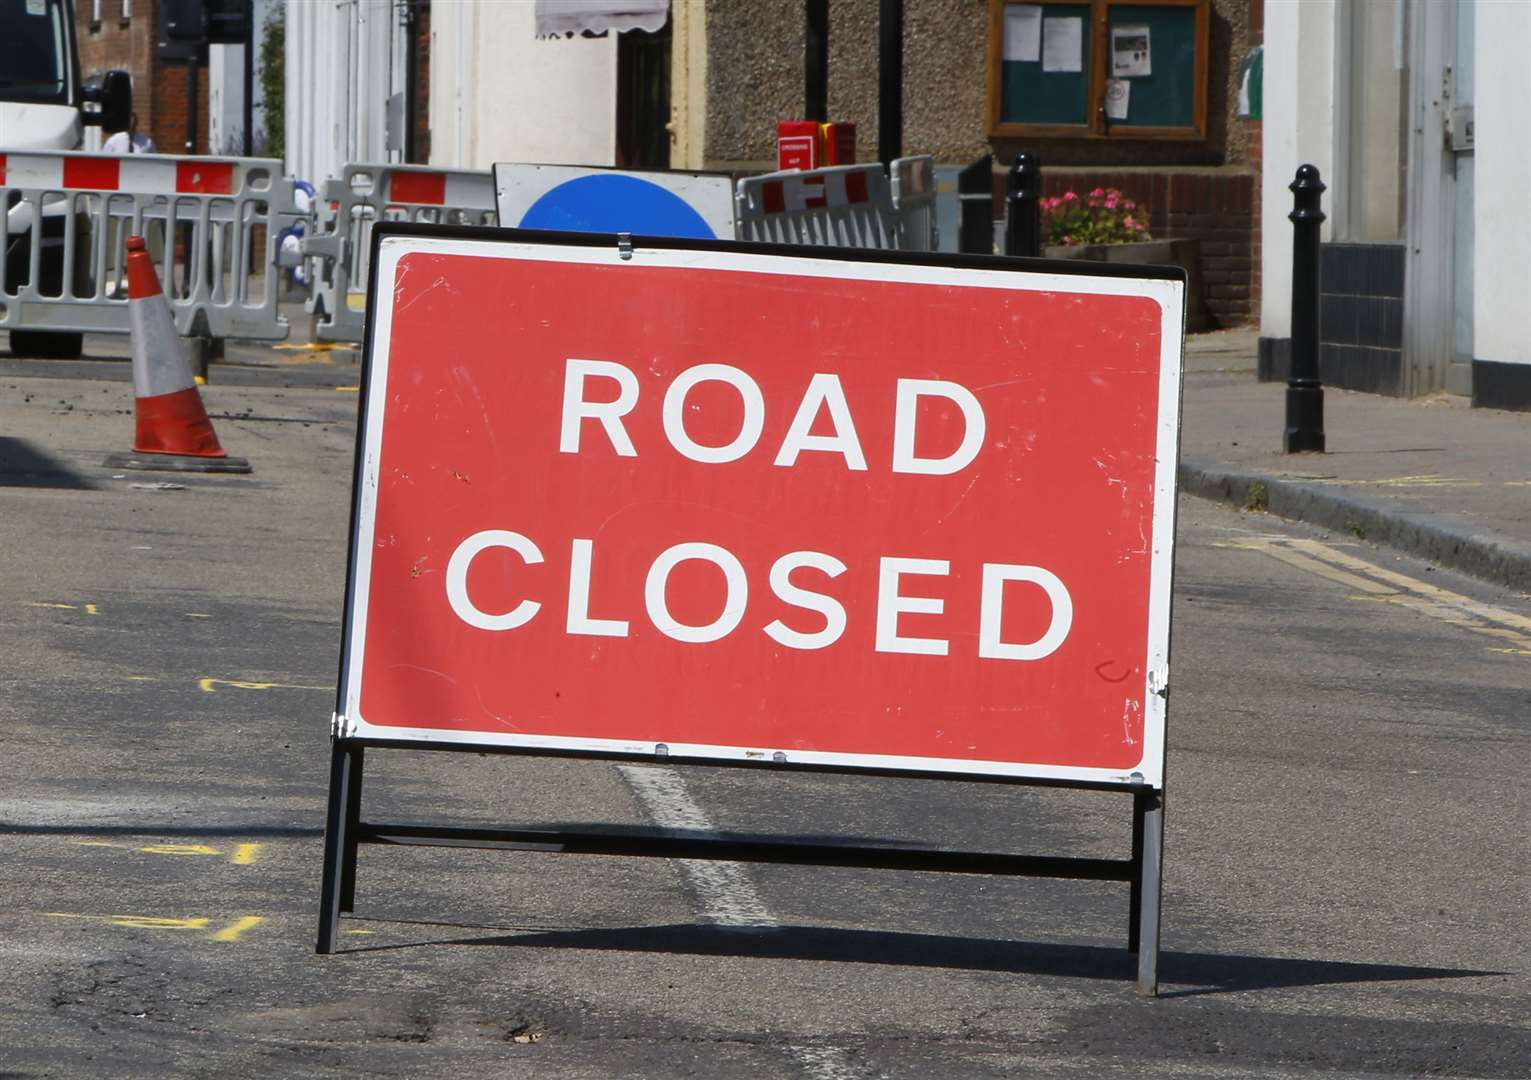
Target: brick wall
[(113, 42), (129, 44), (169, 131), (1213, 206)]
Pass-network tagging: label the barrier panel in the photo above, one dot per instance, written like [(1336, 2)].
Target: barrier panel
[(912, 184), (854, 206), (843, 206), (764, 506), (211, 223), (348, 207)]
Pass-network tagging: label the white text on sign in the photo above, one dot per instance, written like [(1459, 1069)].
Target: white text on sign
[(823, 393)]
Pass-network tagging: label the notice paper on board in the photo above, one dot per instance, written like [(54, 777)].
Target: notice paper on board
[(1118, 93), (1130, 52), (1063, 44), (1023, 33)]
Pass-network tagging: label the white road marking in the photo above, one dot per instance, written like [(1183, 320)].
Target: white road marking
[(724, 889), (825, 1063), (728, 897)]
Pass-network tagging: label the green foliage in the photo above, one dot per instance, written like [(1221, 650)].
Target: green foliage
[(273, 52), (1257, 499), (1104, 216)]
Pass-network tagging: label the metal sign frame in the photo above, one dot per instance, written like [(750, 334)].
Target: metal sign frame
[(345, 830)]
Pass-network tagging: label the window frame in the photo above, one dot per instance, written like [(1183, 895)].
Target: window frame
[(1097, 127)]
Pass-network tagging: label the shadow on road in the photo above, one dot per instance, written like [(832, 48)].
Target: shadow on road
[(1196, 973), (24, 465)]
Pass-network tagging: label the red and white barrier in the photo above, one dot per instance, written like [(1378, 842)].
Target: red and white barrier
[(211, 222), (842, 206), (340, 241)]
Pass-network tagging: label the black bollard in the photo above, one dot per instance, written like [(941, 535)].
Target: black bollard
[(975, 207), (1023, 206), (1304, 392)]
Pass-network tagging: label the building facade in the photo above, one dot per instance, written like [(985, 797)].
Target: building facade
[(1414, 113)]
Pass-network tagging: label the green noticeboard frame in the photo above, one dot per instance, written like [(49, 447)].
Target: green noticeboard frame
[(1031, 95), (1170, 102)]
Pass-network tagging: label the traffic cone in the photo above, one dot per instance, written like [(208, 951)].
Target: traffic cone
[(173, 431)]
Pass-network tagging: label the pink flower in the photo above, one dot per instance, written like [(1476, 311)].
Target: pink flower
[(1069, 196), (1097, 193), (1051, 204), (1141, 227), (1130, 223), (1130, 205), (1111, 201), (1068, 240)]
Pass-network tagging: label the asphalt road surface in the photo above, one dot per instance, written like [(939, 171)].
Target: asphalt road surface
[(1345, 890)]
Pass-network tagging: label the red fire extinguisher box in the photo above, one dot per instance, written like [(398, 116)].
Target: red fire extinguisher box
[(798, 145)]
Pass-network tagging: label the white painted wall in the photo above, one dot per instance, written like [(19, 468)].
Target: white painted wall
[(500, 94), (345, 58), (1502, 234), (1298, 130), (226, 88)]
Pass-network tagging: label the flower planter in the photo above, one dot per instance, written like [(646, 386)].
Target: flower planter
[(1185, 254)]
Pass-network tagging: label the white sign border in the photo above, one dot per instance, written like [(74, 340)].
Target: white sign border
[(1169, 294)]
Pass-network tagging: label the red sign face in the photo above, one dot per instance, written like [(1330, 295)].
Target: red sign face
[(744, 506)]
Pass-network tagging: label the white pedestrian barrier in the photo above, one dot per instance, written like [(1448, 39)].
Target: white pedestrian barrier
[(912, 181), (211, 225), (856, 206), (340, 238), (841, 206)]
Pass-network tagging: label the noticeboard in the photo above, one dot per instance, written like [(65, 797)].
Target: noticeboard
[(1098, 68), (723, 502)]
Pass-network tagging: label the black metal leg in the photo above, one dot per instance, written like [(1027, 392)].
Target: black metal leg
[(353, 819), (1152, 878), (1135, 898), (334, 846)]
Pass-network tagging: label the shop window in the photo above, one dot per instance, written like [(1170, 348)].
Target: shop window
[(1098, 69)]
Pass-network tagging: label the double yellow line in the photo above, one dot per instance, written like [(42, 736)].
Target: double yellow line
[(1368, 582)]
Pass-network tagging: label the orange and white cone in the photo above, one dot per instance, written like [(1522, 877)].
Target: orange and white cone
[(171, 421)]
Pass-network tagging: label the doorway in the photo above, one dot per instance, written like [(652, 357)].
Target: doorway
[(643, 98)]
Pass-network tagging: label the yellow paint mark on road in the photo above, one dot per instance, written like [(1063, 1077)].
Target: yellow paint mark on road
[(348, 389), (135, 922), (197, 615), (242, 855), (1376, 583), (310, 346), (141, 678), (358, 931), (232, 931), (208, 685), (90, 609), (180, 849)]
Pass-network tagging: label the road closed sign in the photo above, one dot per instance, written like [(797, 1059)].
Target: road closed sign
[(717, 502)]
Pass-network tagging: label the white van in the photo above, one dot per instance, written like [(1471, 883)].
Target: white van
[(43, 106)]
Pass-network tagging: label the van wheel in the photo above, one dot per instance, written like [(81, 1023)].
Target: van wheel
[(47, 344)]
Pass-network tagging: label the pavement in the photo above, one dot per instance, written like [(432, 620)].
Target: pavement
[(1431, 476)]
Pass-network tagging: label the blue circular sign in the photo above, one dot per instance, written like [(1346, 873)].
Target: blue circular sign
[(616, 203)]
